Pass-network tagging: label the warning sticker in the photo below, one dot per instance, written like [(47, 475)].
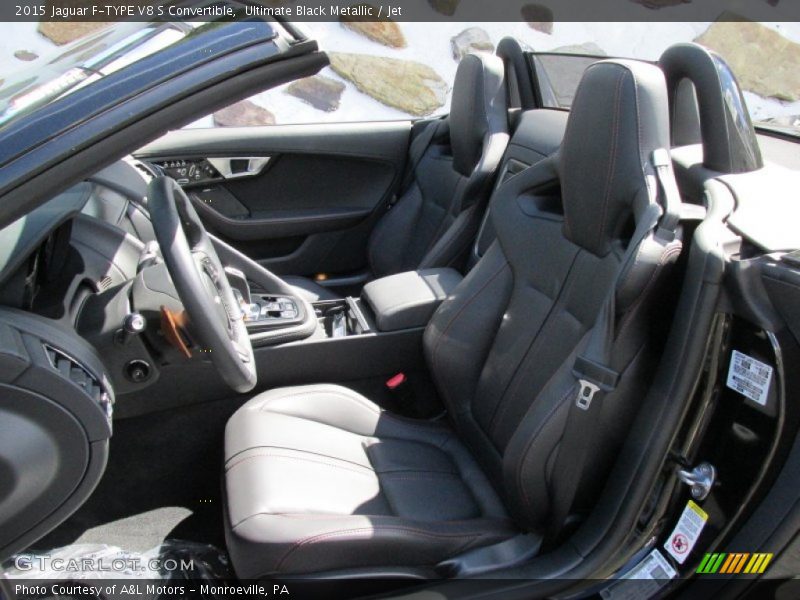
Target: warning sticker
[(683, 538), (643, 581), (749, 377)]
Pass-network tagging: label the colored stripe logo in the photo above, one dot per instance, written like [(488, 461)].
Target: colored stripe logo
[(732, 563)]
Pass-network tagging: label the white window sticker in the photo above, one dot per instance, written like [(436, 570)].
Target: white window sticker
[(683, 538), (643, 581), (749, 377)]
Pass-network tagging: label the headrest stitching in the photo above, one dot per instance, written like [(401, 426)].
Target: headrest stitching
[(571, 126), (567, 135), (613, 162), (642, 159), (638, 114)]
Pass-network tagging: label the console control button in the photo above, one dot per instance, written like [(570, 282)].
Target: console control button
[(271, 308)]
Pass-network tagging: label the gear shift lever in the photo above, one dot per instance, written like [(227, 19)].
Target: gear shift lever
[(239, 283)]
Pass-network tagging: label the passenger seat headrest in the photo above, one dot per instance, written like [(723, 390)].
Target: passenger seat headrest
[(619, 116), (478, 108)]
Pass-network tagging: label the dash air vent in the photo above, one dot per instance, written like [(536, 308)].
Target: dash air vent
[(54, 435), (148, 170), (72, 370), (104, 283)]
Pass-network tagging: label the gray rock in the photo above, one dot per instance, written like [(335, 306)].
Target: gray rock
[(323, 93), (586, 48), (470, 40), (792, 121), (243, 114), (407, 85), (25, 55), (656, 4), (538, 17), (444, 7), (765, 62), (64, 32), (383, 31)]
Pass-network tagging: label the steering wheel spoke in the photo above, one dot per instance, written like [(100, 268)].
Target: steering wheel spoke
[(199, 277)]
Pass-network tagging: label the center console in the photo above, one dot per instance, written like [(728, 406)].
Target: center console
[(342, 318), (364, 340), (378, 334), (271, 311), (263, 311), (393, 303)]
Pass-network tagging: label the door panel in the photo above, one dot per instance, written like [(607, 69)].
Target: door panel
[(310, 207)]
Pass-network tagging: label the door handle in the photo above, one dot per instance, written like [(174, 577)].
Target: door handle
[(234, 167)]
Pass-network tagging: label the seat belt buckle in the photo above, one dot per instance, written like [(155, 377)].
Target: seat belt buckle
[(586, 394), (592, 377), (661, 158)]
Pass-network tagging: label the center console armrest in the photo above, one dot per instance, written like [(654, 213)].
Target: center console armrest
[(408, 300)]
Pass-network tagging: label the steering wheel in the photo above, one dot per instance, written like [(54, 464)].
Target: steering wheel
[(214, 314)]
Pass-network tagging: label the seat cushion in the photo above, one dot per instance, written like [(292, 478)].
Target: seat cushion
[(309, 289), (319, 479)]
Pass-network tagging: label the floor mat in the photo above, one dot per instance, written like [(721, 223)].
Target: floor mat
[(162, 482), (137, 533)]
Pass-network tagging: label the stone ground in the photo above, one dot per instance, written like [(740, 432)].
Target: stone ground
[(766, 58)]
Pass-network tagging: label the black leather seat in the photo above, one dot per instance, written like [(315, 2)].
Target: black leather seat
[(334, 478), (438, 215), (321, 480)]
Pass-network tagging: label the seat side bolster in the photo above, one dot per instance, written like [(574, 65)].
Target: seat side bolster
[(300, 544)]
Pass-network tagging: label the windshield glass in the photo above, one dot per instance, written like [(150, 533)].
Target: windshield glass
[(765, 57), (42, 61), (69, 67), (559, 75)]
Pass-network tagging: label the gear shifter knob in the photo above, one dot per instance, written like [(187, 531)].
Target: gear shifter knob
[(238, 281)]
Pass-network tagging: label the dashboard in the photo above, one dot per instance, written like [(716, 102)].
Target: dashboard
[(58, 240), (77, 260), (88, 260), (58, 383), (44, 268)]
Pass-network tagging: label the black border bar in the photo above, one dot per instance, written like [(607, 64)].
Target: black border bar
[(402, 10)]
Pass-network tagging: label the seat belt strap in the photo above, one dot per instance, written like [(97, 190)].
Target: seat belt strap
[(419, 145), (597, 374), (669, 195), (596, 369)]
